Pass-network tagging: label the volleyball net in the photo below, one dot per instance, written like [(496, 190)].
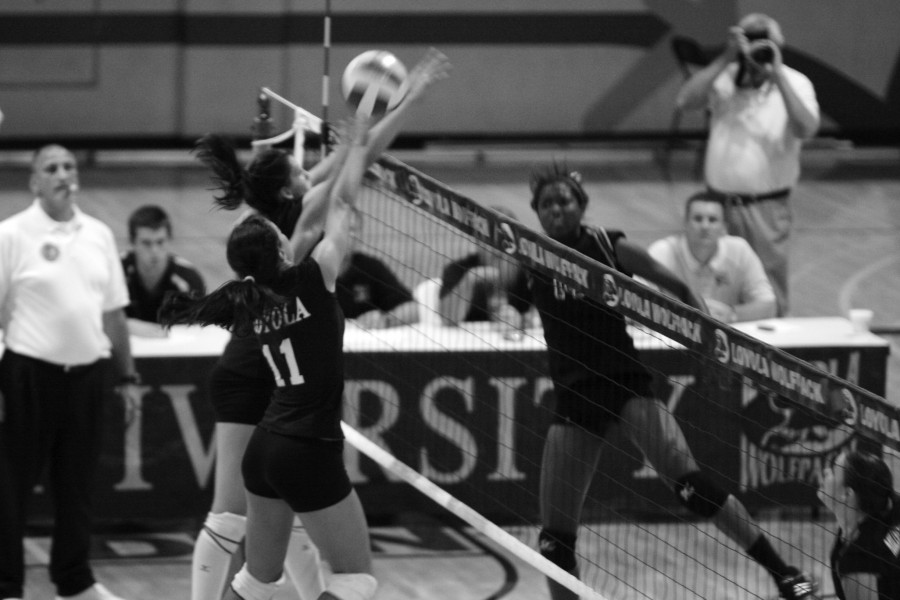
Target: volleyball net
[(462, 411)]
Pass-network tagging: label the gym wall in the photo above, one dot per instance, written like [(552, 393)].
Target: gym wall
[(118, 72)]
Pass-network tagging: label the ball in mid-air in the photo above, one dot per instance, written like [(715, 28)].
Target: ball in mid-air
[(374, 83)]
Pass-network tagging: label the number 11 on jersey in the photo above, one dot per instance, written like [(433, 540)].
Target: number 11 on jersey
[(287, 350)]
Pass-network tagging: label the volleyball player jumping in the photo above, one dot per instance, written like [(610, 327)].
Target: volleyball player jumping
[(294, 459), (275, 185), (601, 384)]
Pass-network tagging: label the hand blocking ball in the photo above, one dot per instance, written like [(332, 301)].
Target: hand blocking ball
[(374, 83)]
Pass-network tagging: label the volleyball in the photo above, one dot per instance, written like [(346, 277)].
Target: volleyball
[(374, 83)]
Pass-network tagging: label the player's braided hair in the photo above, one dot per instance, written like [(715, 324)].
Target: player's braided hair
[(557, 173)]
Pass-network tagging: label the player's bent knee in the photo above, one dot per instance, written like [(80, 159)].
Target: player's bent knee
[(350, 586), (558, 548), (700, 495), (226, 524), (225, 530)]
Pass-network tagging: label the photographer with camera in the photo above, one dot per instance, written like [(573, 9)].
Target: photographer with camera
[(760, 111)]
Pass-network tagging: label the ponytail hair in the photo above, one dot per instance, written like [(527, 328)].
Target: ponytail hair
[(258, 185), (219, 154), (253, 253)]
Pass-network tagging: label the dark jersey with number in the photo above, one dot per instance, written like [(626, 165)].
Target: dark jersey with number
[(875, 550), (302, 340), (585, 339), (241, 355)]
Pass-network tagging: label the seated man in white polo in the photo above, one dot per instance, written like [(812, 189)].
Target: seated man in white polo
[(722, 269)]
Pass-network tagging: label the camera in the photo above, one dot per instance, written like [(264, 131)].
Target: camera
[(761, 52)]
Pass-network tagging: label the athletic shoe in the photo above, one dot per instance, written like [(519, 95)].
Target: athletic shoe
[(798, 586), (96, 592)]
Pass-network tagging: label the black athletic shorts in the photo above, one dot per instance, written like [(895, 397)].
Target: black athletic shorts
[(597, 403), (308, 474), (237, 398)]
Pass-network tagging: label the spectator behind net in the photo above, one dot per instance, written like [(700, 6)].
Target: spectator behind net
[(485, 285), (368, 291), (760, 111), (720, 268)]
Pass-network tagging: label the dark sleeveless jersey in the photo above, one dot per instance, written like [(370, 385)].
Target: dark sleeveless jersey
[(302, 340), (242, 354), (875, 550), (585, 339)]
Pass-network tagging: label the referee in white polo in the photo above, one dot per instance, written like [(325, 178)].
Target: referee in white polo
[(62, 295)]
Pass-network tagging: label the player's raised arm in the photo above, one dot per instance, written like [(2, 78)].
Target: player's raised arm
[(310, 226), (330, 252)]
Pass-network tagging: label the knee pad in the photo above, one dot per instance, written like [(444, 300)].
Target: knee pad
[(352, 586), (558, 548), (226, 529), (699, 494)]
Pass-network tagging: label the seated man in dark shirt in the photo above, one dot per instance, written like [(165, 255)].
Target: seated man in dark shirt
[(370, 293), (485, 286), (152, 269)]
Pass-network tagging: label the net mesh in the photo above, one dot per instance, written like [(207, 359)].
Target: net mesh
[(761, 423)]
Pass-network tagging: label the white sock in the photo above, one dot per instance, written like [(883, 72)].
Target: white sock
[(303, 565), (217, 541), (352, 586), (249, 587)]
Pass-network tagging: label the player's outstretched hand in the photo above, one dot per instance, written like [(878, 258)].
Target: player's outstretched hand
[(433, 67)]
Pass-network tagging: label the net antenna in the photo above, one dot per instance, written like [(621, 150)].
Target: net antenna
[(303, 121), (324, 137)]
